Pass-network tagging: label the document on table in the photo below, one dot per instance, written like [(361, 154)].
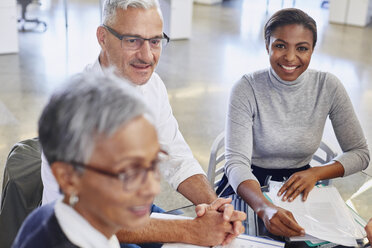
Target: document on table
[(324, 215), (242, 241)]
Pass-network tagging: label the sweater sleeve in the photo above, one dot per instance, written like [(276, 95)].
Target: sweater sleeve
[(355, 156), (238, 140)]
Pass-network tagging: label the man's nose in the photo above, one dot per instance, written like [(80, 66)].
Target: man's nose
[(145, 52)]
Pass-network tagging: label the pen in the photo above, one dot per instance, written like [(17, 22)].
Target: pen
[(172, 211)]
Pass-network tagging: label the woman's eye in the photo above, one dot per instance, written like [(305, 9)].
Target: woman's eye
[(279, 46), (302, 49)]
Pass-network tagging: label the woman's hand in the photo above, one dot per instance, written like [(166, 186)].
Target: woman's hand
[(280, 222), (299, 183)]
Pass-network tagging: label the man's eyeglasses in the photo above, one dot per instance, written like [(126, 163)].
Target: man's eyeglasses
[(132, 178), (131, 42)]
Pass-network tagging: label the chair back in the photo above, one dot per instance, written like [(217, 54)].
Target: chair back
[(324, 154), (216, 168), (22, 188), (216, 161)]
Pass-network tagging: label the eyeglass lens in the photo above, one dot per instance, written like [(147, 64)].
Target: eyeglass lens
[(135, 43), (133, 180)]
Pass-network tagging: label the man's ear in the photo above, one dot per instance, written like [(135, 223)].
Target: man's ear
[(267, 48), (101, 36), (67, 177)]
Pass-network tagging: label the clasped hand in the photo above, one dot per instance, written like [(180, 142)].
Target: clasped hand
[(220, 222), (299, 183)]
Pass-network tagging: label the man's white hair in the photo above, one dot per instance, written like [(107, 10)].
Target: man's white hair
[(110, 7)]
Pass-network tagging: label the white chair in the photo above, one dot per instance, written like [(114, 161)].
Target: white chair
[(217, 159)]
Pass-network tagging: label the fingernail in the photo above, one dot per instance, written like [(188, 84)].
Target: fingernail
[(284, 198)]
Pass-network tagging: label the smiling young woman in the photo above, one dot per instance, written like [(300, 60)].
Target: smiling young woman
[(290, 51), (276, 119)]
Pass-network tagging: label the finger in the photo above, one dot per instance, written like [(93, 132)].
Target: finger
[(218, 203), (295, 193), (201, 209), (305, 194), (238, 227), (286, 185), (292, 190), (229, 238), (282, 230), (227, 212), (238, 216), (289, 221), (278, 227)]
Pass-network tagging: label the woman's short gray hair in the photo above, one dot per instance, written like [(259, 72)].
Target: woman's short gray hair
[(87, 107), (110, 7)]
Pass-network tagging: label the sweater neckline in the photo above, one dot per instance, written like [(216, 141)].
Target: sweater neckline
[(295, 84)]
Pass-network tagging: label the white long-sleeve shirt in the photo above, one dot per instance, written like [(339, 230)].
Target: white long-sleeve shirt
[(181, 165)]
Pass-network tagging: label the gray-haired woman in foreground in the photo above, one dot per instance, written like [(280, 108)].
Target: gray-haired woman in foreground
[(104, 153)]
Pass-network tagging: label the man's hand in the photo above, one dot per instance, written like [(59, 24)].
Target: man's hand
[(368, 229), (280, 222), (229, 215), (300, 182)]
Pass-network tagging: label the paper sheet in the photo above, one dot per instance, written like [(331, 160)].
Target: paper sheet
[(323, 215), (242, 241)]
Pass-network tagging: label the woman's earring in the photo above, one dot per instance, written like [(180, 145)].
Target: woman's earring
[(73, 199)]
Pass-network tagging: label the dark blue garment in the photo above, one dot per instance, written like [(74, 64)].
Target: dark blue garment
[(261, 174), (156, 209), (278, 175), (41, 229)]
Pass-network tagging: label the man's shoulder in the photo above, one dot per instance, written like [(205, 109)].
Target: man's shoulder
[(155, 80), (156, 84)]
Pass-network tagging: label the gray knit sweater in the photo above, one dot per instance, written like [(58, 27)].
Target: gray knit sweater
[(277, 124)]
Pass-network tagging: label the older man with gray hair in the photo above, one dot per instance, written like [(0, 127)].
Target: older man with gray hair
[(131, 39)]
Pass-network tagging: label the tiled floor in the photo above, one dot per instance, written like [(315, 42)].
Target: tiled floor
[(226, 42)]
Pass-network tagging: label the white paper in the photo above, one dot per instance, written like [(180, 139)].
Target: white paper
[(323, 215), (307, 237), (169, 216), (242, 241)]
